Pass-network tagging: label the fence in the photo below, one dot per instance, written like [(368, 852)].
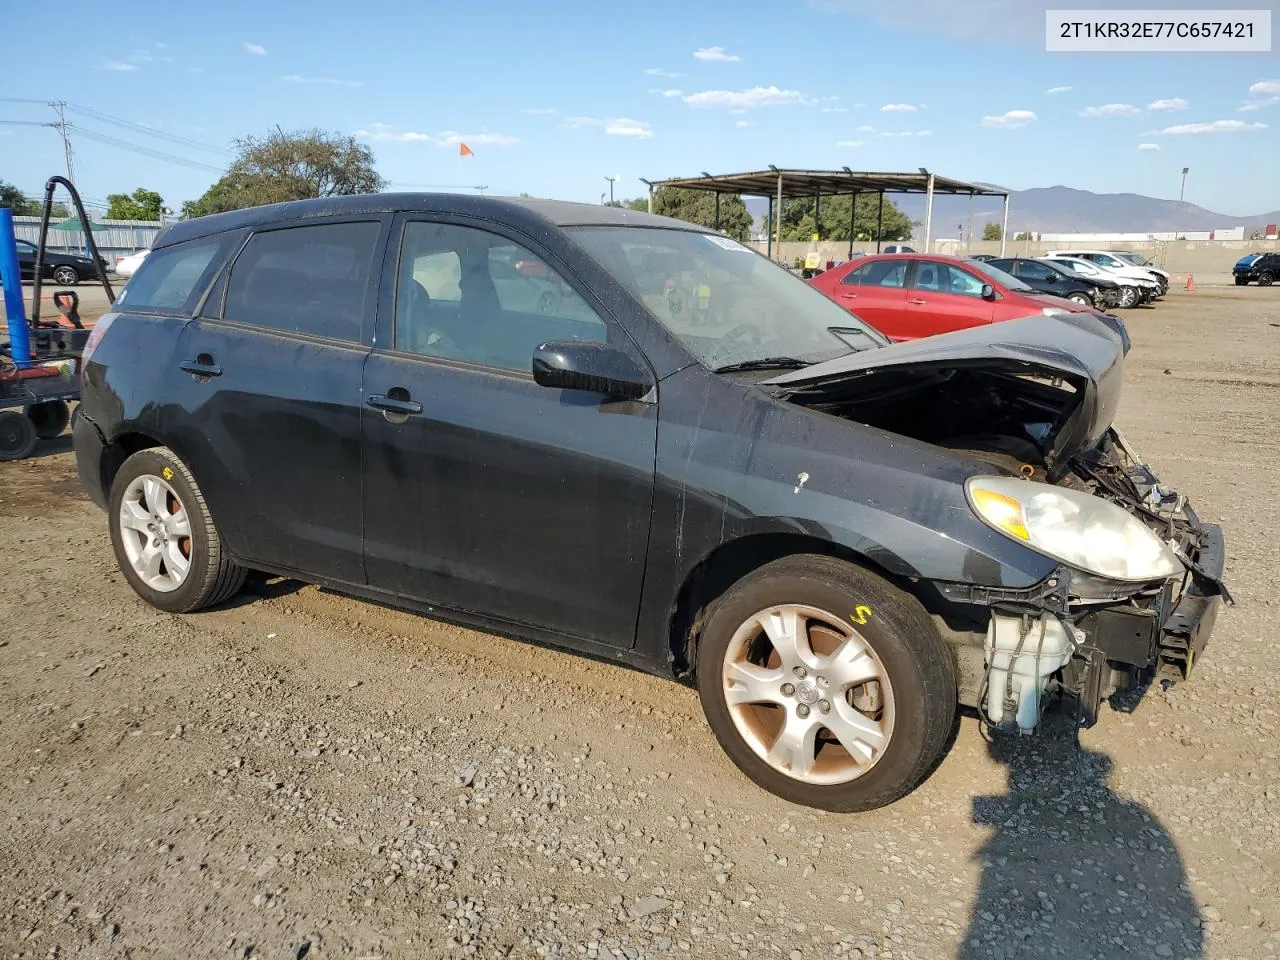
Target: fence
[(119, 238)]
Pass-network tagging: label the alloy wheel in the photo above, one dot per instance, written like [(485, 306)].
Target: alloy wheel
[(155, 530)]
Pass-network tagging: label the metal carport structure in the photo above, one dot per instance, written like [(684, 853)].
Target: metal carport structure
[(779, 185)]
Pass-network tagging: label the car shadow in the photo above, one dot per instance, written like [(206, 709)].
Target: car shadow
[(1071, 869)]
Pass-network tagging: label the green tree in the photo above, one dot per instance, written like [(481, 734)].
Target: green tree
[(992, 231), (12, 197), (142, 204), (290, 166), (699, 206), (1022, 236), (640, 204), (798, 219)]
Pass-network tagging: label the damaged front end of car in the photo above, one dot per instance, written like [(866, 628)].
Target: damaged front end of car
[(1137, 582)]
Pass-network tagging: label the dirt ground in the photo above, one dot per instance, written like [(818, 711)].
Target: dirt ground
[(300, 774)]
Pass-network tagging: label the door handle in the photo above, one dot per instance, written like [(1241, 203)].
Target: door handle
[(201, 367), (394, 406), (848, 296), (917, 302)]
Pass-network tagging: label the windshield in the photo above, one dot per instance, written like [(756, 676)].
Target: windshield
[(1135, 258), (724, 302), (1006, 280)]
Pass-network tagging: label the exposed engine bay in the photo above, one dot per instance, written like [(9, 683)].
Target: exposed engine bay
[(1076, 633)]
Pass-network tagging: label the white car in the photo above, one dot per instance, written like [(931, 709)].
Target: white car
[(126, 266), (1122, 262), (1136, 286)]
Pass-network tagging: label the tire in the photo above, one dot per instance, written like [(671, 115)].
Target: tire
[(888, 634), (50, 418), (65, 276), (147, 480), (17, 435), (1081, 298), (1265, 279), (1129, 297)]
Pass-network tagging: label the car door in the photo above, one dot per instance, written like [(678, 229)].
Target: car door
[(26, 260), (942, 297), (1042, 278), (269, 382), (485, 492), (875, 291)]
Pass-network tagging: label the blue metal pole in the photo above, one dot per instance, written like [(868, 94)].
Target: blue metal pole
[(14, 306)]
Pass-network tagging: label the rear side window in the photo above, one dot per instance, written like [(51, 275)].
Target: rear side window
[(878, 273), (312, 280), (172, 279)]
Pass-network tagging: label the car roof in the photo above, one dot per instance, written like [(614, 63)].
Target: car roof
[(529, 214)]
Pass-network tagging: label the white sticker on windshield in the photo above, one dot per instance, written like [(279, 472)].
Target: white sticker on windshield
[(726, 243)]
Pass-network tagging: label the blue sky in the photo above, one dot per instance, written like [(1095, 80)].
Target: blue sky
[(554, 98)]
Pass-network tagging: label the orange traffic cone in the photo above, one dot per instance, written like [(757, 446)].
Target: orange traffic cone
[(1191, 282)]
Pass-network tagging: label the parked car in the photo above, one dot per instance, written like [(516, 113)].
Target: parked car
[(1138, 260), (906, 296), (1261, 268), (837, 539), (897, 248), (1134, 289), (1048, 277), (984, 257), (1120, 265), (64, 269), (126, 266)]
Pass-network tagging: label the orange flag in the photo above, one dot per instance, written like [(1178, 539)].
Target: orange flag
[(464, 150)]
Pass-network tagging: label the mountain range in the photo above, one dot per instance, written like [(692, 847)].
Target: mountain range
[(1066, 210)]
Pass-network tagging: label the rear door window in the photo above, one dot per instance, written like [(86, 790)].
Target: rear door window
[(313, 280), (878, 273), (172, 279)]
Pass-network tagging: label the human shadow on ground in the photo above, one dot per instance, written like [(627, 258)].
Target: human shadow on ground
[(1072, 870)]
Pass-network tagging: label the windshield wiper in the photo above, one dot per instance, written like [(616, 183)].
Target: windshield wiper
[(764, 363)]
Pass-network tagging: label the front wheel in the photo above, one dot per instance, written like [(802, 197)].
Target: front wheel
[(164, 537), (1081, 298), (825, 684), (1242, 281), (1265, 279), (65, 276), (1128, 296)]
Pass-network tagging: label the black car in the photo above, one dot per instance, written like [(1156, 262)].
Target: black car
[(65, 269), (1262, 268), (694, 463), (1048, 277)]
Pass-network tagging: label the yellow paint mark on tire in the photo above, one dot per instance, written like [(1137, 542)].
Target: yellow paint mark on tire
[(167, 473), (861, 614)]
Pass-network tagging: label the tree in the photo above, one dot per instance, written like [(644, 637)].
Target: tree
[(13, 198), (699, 206), (142, 204), (798, 221), (1024, 235), (290, 166), (992, 231), (639, 204)]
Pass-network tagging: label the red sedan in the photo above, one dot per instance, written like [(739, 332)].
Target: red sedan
[(908, 296)]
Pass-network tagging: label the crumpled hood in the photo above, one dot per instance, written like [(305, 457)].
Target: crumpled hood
[(1085, 350)]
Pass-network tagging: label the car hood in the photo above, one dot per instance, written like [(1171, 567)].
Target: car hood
[(1062, 303), (1082, 349)]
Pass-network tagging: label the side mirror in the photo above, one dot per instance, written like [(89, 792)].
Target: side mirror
[(988, 292), (584, 365)]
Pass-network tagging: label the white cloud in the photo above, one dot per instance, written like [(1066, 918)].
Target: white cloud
[(848, 143), (1111, 110), (162, 46), (835, 109), (326, 81), (907, 133), (743, 123), (898, 108), (614, 126), (715, 55), (1265, 88), (1171, 103), (1011, 120), (450, 138), (141, 56), (659, 72), (538, 111), (1258, 104), (744, 99), (118, 65), (1148, 146), (1054, 91), (256, 49), (1215, 126), (668, 93), (866, 129)]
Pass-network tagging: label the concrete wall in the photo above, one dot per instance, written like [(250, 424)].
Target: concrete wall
[(1209, 261)]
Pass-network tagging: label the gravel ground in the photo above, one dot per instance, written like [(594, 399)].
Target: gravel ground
[(300, 774)]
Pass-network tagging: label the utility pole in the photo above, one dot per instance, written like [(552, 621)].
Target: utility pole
[(1182, 192), (59, 107)]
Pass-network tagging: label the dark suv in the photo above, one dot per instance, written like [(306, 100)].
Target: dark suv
[(1047, 277), (1264, 268), (687, 460)]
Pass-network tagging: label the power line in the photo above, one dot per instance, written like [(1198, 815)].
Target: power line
[(141, 150), (141, 128)]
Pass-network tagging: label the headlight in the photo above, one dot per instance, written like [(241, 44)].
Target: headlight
[(1074, 527)]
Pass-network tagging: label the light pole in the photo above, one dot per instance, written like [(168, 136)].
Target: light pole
[(1182, 192), (612, 180)]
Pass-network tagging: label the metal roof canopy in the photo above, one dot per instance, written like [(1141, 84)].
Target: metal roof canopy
[(779, 185)]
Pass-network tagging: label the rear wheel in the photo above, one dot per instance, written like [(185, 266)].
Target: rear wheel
[(65, 276), (825, 684), (50, 418), (1128, 296), (164, 537), (1080, 298), (1265, 279), (17, 435)]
